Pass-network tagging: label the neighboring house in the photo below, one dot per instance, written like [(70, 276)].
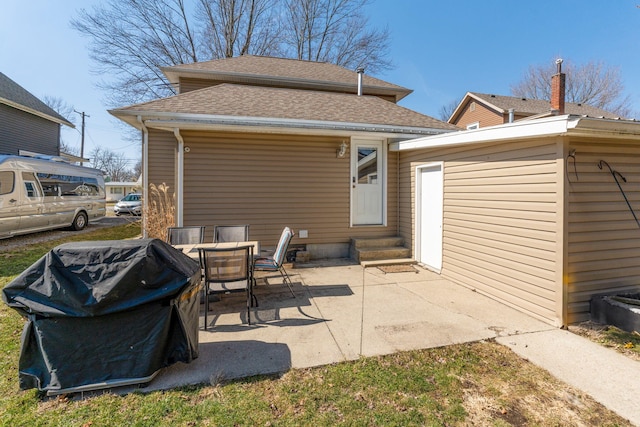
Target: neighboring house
[(478, 110), (276, 142), (26, 123), (526, 212), (117, 190), (482, 110)]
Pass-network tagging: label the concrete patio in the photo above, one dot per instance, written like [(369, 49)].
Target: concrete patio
[(340, 313), (344, 311)]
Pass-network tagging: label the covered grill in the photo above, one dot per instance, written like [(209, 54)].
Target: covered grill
[(105, 313)]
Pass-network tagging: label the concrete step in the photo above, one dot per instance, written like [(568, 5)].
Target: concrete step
[(377, 242), (381, 253)]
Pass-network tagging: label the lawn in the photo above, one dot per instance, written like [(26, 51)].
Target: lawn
[(481, 383)]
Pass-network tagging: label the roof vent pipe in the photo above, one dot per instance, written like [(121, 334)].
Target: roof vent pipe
[(360, 71), (511, 115)]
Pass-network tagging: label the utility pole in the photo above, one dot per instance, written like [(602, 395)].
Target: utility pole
[(82, 143)]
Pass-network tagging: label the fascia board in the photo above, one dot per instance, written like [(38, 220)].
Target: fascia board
[(540, 128), (173, 76), (35, 112), (215, 122), (510, 131)]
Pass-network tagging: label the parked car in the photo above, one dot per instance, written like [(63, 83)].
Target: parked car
[(129, 204), (40, 193)]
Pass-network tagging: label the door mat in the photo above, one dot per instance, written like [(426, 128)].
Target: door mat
[(398, 268)]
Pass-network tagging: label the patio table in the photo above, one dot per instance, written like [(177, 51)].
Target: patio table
[(191, 250)]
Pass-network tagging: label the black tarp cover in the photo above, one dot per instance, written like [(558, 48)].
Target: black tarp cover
[(105, 312)]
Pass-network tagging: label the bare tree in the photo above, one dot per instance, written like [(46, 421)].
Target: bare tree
[(66, 111), (237, 27), (593, 84), (59, 106), (130, 40), (335, 31), (112, 164), (446, 111)]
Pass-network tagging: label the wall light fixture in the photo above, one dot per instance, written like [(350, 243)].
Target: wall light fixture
[(340, 152)]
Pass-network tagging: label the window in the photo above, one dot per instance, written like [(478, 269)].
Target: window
[(68, 185), (475, 125), (116, 190), (7, 181), (31, 186)]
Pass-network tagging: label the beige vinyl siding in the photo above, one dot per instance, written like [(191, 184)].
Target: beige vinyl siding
[(272, 181), (189, 84), (501, 220), (604, 238), (162, 149)]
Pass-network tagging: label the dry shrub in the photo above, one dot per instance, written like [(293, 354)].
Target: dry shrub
[(160, 211)]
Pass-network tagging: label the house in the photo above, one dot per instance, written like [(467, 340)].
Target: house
[(26, 123), (117, 190), (276, 142), (532, 213), (481, 110)]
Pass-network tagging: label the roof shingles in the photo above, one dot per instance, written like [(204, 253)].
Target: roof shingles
[(287, 104), (540, 106), (267, 67)]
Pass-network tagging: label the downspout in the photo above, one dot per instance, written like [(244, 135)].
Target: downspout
[(180, 180), (398, 193), (145, 175)]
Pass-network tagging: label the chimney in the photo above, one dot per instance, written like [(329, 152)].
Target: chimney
[(557, 89), (360, 71)]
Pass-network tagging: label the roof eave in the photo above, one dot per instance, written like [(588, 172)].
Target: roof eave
[(184, 121), (174, 75), (21, 107), (552, 126)]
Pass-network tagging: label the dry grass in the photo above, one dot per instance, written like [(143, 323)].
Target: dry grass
[(627, 343), (159, 212)]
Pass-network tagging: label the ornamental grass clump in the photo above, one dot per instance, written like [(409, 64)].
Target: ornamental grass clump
[(159, 212)]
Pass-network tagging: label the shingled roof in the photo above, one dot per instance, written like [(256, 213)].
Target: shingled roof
[(270, 71), (530, 107), (14, 95), (249, 103)]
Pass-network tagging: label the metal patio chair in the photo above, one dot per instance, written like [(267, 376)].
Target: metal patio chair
[(227, 271), (185, 235), (275, 262), (230, 233)]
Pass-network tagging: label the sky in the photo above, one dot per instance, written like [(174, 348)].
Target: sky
[(440, 49)]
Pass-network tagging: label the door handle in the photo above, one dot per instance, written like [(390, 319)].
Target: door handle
[(12, 200)]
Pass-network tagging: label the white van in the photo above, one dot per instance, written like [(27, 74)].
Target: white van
[(39, 194)]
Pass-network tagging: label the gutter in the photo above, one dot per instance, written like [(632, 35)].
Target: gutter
[(180, 180), (169, 121), (173, 76), (145, 175), (553, 126)]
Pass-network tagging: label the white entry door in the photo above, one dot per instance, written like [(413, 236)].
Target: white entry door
[(367, 182), (429, 215)]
